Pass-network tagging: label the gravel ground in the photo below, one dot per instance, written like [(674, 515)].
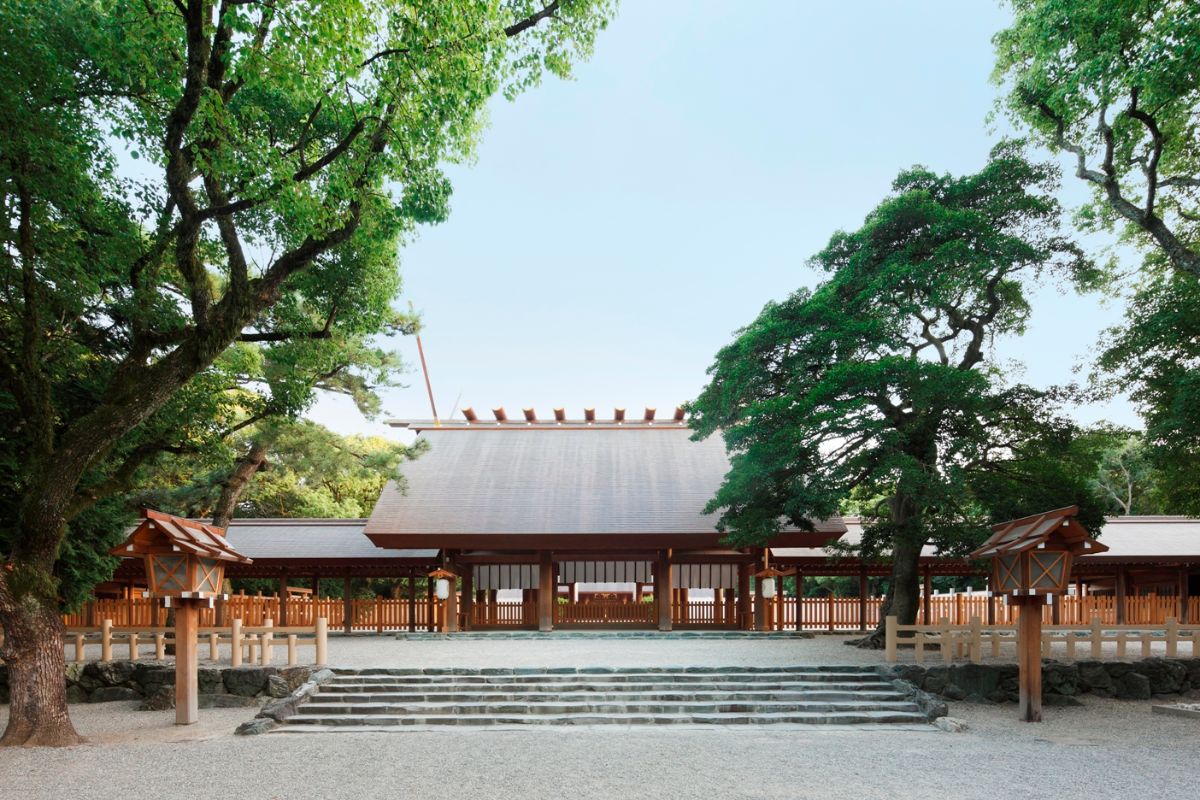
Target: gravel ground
[(1104, 748)]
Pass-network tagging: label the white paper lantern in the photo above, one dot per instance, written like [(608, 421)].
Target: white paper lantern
[(442, 588), (768, 588)]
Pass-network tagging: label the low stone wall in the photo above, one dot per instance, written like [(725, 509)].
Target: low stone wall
[(1062, 681), (153, 682)]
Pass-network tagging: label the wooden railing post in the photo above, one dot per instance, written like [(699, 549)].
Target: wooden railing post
[(890, 633), (106, 640), (976, 643), (235, 643), (265, 646), (322, 657)]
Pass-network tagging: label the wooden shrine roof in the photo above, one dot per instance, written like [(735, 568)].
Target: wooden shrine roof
[(1028, 533), (616, 487), (158, 530)]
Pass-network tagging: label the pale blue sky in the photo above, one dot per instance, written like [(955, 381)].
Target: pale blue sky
[(616, 229)]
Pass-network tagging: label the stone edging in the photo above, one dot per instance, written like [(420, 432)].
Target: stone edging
[(1062, 681), (277, 711)]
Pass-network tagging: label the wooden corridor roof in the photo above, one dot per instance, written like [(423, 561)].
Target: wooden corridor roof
[(528, 487)]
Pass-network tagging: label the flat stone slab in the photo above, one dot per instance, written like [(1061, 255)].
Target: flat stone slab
[(1187, 710)]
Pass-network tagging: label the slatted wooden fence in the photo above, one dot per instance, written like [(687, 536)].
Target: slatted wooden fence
[(252, 643), (956, 642), (815, 613)]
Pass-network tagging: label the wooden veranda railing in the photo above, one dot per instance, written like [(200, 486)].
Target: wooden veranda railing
[(814, 613)]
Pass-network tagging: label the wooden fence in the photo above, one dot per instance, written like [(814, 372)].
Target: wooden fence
[(815, 613), (1058, 641), (248, 643)]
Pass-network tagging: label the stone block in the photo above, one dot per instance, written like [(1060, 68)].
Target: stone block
[(76, 694), (1133, 686), (277, 686), (1094, 678), (1165, 676), (248, 681), (255, 726), (162, 699), (227, 701), (109, 694)]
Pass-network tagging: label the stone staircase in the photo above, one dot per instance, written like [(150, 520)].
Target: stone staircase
[(377, 699)]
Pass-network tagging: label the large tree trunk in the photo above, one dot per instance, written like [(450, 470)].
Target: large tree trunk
[(903, 597), (33, 651)]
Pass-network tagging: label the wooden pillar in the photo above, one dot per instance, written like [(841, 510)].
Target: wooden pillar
[(547, 589), (1184, 597), (829, 608), (468, 597), (1056, 610), (863, 586), (283, 599), (347, 605), (760, 607), (573, 591), (991, 601), (718, 606), (1029, 656), (1119, 591), (493, 599), (662, 589), (743, 596), (187, 679), (685, 616), (927, 603), (799, 599)]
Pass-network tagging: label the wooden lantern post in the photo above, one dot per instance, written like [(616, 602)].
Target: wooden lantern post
[(1031, 563), (185, 566)]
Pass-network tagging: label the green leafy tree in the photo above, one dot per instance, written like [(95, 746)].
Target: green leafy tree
[(879, 381), (289, 150), (1155, 357), (1114, 84)]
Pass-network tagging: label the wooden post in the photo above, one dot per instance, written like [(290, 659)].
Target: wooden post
[(451, 605), (412, 601), (799, 599), (862, 599), (1119, 599), (743, 597), (468, 597), (1029, 657), (829, 608), (431, 600), (283, 599), (347, 606), (760, 607), (106, 640), (991, 602), (662, 589), (889, 638), (235, 643), (1184, 597), (322, 657), (187, 663), (547, 589), (927, 603), (1056, 610)]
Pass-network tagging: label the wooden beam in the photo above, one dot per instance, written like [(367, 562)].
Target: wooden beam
[(530, 415), (679, 414), (649, 415), (469, 414), (499, 414), (589, 414), (547, 589), (618, 414), (560, 414)]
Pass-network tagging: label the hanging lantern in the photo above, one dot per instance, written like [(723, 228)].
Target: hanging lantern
[(442, 588), (768, 588)]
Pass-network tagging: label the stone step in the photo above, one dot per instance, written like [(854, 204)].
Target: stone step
[(624, 688), (601, 707), (661, 678), (366, 671), (350, 722), (324, 697)]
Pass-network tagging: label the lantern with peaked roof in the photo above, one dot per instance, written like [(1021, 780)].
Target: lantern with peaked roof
[(1033, 555), (185, 559)]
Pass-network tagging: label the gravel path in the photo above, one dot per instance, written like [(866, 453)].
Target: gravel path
[(1103, 749)]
